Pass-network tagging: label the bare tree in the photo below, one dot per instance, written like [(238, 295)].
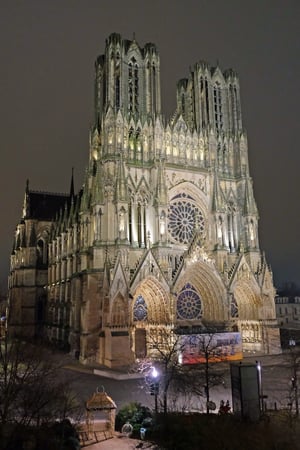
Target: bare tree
[(32, 391), (164, 347), (166, 353), (208, 348)]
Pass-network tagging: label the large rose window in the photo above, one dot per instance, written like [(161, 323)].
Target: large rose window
[(184, 217), (189, 305)]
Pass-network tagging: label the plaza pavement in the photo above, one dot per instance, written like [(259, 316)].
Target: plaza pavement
[(120, 442)]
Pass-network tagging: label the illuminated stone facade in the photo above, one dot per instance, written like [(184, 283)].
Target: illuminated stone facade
[(163, 233)]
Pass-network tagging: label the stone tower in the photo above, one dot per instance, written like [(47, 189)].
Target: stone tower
[(163, 233)]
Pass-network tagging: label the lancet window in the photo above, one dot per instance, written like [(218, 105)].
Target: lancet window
[(233, 107), (231, 224), (218, 107), (153, 90), (137, 223), (183, 104), (204, 101), (117, 81), (117, 89), (133, 86)]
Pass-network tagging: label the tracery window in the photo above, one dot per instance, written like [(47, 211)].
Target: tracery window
[(184, 217), (140, 311), (189, 305)]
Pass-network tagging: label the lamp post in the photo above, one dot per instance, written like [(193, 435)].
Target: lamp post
[(260, 393), (294, 379), (154, 387)]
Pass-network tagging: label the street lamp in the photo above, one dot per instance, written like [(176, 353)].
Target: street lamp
[(261, 404), (294, 379), (154, 386)]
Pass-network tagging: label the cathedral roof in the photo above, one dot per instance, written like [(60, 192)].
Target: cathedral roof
[(44, 205)]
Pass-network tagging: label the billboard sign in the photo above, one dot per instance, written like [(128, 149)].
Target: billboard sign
[(218, 346)]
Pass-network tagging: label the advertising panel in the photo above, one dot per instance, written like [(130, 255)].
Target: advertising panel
[(217, 346)]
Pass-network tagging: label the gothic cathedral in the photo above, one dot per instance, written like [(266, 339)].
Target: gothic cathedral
[(163, 234)]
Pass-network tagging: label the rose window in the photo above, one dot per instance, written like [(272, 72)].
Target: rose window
[(189, 305), (140, 309), (184, 217)]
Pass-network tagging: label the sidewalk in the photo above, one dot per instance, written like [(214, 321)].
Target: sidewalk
[(121, 443), (122, 373), (266, 360)]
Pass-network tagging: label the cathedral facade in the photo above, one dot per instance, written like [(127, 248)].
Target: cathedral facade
[(164, 231)]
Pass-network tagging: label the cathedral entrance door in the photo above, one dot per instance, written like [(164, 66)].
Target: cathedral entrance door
[(140, 343)]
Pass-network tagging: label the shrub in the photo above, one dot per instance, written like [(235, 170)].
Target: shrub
[(136, 414)]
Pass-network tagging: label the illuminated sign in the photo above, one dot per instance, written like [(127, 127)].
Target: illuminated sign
[(214, 347)]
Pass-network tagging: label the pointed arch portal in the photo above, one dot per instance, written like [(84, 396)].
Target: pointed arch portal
[(151, 293), (248, 302), (210, 288), (150, 306)]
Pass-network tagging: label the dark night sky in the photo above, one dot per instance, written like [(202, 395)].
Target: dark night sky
[(47, 54)]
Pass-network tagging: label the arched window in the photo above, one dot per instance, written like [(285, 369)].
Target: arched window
[(218, 106), (154, 87), (207, 99), (133, 86), (117, 81), (233, 107), (204, 101)]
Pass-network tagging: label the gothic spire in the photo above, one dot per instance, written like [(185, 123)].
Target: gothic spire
[(72, 184), (84, 205), (26, 203)]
